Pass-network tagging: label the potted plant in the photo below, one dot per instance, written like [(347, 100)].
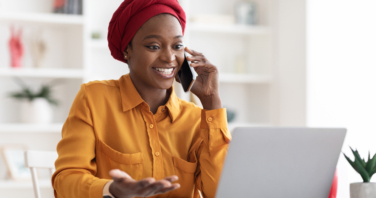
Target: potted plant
[(35, 106), (366, 169)]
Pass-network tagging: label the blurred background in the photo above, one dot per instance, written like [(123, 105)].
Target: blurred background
[(307, 63)]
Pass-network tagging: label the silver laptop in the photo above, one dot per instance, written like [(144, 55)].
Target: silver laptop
[(281, 162)]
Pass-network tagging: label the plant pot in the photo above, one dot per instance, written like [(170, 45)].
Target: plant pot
[(38, 111), (362, 190)]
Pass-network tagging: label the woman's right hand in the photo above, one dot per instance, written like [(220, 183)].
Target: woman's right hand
[(126, 187)]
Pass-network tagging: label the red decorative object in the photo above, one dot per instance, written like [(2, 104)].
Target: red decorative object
[(333, 190), (16, 47)]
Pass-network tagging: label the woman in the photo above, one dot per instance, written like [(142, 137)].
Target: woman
[(133, 137)]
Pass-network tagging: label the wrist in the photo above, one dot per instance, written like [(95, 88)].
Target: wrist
[(106, 190), (211, 102), (113, 190)]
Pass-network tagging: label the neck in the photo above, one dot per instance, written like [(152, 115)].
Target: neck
[(152, 96)]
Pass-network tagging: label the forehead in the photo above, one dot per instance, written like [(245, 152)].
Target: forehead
[(165, 25)]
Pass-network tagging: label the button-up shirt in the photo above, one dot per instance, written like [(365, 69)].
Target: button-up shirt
[(111, 127)]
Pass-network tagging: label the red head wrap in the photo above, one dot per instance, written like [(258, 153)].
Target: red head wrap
[(131, 15)]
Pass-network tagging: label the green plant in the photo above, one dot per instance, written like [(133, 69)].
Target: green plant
[(27, 93), (365, 168)]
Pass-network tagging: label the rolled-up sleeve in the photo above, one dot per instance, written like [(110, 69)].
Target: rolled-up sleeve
[(216, 138), (76, 167)]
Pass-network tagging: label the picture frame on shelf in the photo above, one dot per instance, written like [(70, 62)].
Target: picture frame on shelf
[(15, 161)]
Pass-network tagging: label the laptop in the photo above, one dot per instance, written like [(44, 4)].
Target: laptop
[(269, 162)]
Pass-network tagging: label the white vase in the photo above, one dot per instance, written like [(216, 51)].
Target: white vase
[(363, 190), (39, 111)]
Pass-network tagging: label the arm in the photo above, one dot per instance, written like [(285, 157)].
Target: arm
[(213, 150), (213, 128), (76, 166)]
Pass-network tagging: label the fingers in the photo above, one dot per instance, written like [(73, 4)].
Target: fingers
[(119, 176), (171, 188), (197, 59), (171, 178), (155, 187), (145, 182), (192, 52), (160, 186)]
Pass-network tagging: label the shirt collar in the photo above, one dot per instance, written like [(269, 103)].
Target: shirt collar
[(131, 98)]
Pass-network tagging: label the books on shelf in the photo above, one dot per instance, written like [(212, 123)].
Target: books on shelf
[(68, 6)]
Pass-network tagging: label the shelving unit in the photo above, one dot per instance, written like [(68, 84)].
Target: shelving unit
[(43, 73), (244, 78), (42, 18), (30, 128), (230, 29), (64, 36), (19, 185)]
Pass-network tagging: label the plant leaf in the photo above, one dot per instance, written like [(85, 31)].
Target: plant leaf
[(370, 164), (358, 158), (351, 162), (362, 171)]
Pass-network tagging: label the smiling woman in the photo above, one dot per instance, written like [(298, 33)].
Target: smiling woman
[(133, 137)]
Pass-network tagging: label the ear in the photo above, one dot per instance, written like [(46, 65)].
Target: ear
[(127, 53)]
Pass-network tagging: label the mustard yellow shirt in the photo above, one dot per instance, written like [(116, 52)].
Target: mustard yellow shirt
[(111, 127)]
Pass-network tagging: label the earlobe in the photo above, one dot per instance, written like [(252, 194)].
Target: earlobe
[(125, 55)]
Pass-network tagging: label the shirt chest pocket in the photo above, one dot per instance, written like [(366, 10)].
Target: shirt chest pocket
[(186, 172), (108, 158)]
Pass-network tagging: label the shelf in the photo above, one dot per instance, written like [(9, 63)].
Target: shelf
[(30, 128), (24, 184), (231, 126), (244, 78), (99, 44), (228, 28), (46, 18), (42, 72)]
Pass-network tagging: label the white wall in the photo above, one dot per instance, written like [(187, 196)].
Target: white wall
[(341, 51), (290, 61)]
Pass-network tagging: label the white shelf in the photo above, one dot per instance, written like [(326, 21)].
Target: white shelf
[(231, 126), (228, 28), (24, 184), (31, 128), (47, 18), (244, 78), (99, 44), (42, 72)]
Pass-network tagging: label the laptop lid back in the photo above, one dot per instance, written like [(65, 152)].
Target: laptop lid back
[(281, 162)]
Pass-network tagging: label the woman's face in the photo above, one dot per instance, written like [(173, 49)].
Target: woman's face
[(157, 52)]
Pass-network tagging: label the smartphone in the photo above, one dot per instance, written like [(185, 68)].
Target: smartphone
[(187, 74)]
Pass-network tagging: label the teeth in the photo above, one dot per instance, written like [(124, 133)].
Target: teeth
[(165, 71)]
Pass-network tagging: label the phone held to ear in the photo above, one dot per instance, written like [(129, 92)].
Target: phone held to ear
[(187, 74)]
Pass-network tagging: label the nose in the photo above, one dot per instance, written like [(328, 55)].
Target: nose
[(168, 55)]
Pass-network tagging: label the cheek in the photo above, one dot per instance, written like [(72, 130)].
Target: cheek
[(143, 59)]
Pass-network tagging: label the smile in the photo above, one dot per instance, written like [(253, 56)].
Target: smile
[(165, 72)]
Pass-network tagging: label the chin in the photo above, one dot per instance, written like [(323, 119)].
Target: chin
[(165, 85)]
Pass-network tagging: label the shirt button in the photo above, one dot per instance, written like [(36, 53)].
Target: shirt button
[(157, 154), (163, 109), (151, 126), (210, 119)]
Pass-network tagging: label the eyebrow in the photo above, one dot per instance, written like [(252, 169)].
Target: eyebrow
[(159, 37)]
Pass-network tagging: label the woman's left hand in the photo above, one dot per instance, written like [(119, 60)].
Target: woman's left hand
[(206, 86)]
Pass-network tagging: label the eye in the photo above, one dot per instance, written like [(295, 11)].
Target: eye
[(179, 46), (153, 47)]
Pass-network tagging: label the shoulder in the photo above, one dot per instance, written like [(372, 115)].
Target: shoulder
[(102, 83), (100, 88)]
